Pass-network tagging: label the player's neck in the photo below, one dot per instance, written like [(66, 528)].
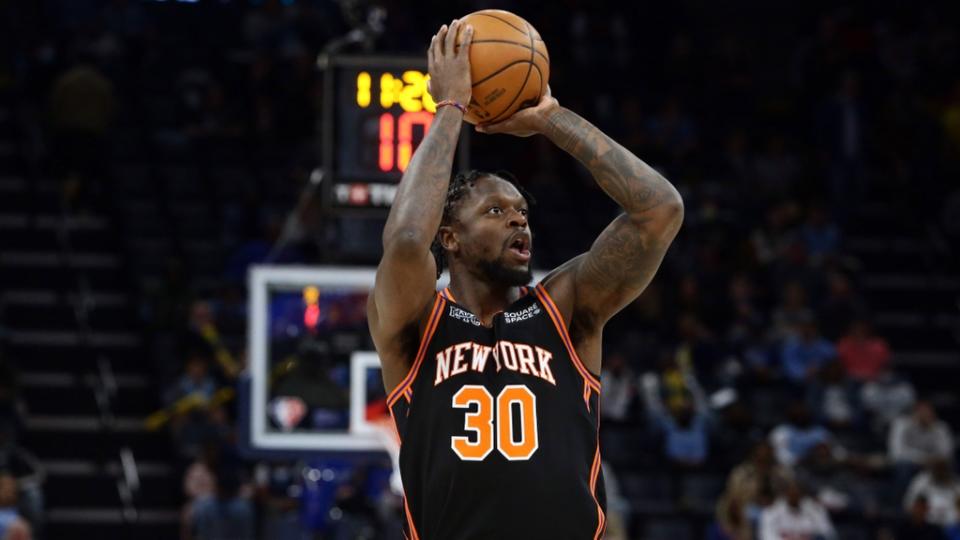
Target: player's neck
[(481, 298)]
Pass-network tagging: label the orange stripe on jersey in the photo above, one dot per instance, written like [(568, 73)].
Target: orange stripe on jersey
[(448, 295), (435, 316), (594, 475), (413, 528), (557, 319)]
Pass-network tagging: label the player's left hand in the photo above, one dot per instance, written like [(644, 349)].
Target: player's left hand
[(525, 122)]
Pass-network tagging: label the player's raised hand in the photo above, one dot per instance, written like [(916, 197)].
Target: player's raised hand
[(450, 65), (525, 122)]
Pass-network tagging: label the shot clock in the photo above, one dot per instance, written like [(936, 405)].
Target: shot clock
[(376, 113)]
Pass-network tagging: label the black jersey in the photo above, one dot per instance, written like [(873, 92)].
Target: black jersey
[(499, 428)]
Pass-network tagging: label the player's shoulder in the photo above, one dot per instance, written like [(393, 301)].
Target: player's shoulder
[(560, 284), (402, 340)]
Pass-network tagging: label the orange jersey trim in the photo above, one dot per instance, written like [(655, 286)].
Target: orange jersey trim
[(589, 378), (413, 528), (594, 475), (448, 295), (435, 315)]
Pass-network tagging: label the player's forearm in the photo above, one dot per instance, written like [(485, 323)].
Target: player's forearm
[(634, 185), (418, 206)]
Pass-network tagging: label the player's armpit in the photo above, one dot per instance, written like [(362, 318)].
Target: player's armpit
[(623, 260)]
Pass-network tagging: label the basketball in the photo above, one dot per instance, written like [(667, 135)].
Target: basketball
[(509, 65)]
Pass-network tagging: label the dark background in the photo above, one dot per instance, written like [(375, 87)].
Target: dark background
[(151, 151)]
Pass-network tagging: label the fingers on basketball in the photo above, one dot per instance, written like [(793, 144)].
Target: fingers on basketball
[(509, 65)]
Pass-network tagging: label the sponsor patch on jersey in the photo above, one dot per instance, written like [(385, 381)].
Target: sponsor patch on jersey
[(464, 316), (522, 315)]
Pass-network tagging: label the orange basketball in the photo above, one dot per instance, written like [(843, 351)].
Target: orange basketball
[(509, 65)]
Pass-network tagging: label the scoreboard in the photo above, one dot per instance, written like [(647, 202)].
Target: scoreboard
[(376, 113)]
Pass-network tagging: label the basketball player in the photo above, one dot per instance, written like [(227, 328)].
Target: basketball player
[(494, 385)]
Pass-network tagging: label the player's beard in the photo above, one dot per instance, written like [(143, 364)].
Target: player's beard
[(497, 271)]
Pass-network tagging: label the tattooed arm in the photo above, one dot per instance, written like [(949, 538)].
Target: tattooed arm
[(406, 275), (626, 255)]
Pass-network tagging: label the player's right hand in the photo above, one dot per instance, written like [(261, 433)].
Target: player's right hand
[(450, 65)]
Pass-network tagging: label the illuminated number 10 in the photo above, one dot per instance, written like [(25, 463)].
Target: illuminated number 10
[(404, 138), (484, 426)]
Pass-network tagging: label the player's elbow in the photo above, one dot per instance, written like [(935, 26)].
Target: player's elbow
[(660, 225), (673, 211)]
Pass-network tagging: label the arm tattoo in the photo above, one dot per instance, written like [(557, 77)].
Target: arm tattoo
[(418, 205), (626, 255), (633, 184)]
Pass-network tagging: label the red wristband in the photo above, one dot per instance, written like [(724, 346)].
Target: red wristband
[(446, 102)]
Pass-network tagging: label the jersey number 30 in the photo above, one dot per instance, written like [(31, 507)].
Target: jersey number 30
[(516, 443)]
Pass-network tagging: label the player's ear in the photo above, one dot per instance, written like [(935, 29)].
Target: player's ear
[(448, 238)]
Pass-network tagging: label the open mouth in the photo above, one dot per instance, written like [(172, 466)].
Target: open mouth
[(520, 246)]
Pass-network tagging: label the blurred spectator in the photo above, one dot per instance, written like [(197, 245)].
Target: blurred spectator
[(792, 440), (82, 106), (776, 169), (916, 526), (697, 351), (196, 383), (820, 236), (939, 486), (915, 440), (684, 424), (750, 488), (792, 312), (619, 388), (805, 352), (834, 398), (278, 493), (886, 397), (204, 334), (199, 482), (795, 515), (773, 239), (730, 522), (842, 128), (735, 434), (834, 482), (840, 307), (759, 358), (12, 526), (617, 506), (28, 472), (746, 320), (919, 437), (197, 417), (225, 515), (672, 130), (735, 163), (864, 355), (953, 531)]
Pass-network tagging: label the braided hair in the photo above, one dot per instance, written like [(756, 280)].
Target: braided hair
[(459, 188)]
